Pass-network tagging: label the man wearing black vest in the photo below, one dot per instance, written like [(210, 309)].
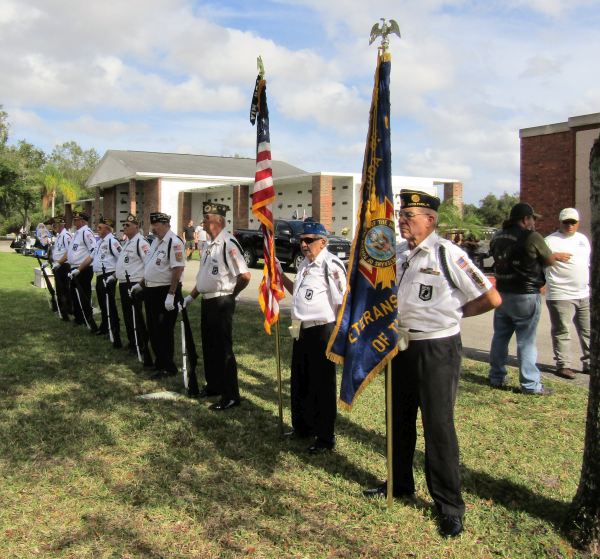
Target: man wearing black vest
[(520, 254)]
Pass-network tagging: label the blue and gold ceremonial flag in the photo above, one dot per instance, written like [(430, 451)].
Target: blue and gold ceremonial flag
[(365, 336)]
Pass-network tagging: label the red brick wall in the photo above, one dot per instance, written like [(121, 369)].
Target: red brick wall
[(453, 192), (322, 198), (132, 197), (151, 202), (185, 210), (109, 203), (241, 203), (548, 175)]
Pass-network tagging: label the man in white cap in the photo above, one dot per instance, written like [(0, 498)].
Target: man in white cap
[(568, 292)]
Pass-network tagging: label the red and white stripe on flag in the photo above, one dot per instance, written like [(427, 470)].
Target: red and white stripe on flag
[(263, 195)]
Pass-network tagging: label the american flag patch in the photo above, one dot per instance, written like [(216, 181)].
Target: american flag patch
[(462, 263)]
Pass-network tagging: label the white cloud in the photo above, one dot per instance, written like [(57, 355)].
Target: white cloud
[(177, 75)]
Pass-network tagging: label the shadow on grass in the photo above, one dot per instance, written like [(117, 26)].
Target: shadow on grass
[(64, 386), (484, 357)]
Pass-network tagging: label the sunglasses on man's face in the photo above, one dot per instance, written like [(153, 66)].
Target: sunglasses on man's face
[(569, 222), (309, 240)]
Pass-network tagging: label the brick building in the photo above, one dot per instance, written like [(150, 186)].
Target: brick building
[(555, 169), (179, 184)]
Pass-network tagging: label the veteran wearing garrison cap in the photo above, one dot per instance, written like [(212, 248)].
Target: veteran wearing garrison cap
[(437, 286), (60, 268), (163, 268), (130, 271), (104, 265), (318, 292), (80, 257), (222, 275)]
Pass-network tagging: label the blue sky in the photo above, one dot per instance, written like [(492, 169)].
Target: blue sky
[(177, 76)]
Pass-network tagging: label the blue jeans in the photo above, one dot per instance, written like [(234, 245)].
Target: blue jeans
[(520, 314)]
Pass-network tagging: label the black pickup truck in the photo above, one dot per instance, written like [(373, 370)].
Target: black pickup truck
[(287, 243)]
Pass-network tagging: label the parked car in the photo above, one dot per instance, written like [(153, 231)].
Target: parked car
[(287, 243)]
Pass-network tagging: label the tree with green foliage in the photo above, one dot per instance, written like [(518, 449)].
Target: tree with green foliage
[(450, 217), (493, 211), (4, 126), (73, 162), (20, 193), (54, 187)]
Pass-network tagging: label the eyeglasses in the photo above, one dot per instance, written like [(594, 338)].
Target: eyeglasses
[(569, 222), (407, 215), (309, 240)]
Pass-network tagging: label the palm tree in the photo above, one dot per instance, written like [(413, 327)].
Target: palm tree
[(53, 184), (450, 218)]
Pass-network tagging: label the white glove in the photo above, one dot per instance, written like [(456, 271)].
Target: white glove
[(74, 273), (44, 266), (187, 301), (111, 279), (135, 290), (55, 266), (170, 302)]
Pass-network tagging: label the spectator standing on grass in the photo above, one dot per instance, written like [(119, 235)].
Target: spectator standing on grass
[(201, 237), (520, 254), (189, 235), (318, 291), (222, 275), (568, 292), (437, 286)]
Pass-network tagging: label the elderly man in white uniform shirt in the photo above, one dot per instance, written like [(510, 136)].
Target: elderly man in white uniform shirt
[(163, 268), (318, 292), (130, 271), (104, 265), (437, 286), (60, 268), (568, 292), (79, 258), (222, 275)]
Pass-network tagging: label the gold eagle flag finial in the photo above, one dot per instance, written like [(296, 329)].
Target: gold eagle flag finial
[(383, 30)]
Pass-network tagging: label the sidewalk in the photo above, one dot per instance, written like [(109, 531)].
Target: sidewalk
[(476, 331)]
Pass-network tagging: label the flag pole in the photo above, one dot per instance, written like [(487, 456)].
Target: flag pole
[(384, 30), (279, 392), (270, 290), (388, 431)]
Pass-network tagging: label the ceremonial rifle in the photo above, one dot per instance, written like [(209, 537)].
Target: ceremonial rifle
[(74, 280), (188, 350), (110, 332), (53, 299), (134, 309)]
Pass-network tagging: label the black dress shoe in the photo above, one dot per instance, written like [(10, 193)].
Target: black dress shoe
[(206, 393), (320, 447), (450, 525), (381, 491), (293, 434), (225, 405)]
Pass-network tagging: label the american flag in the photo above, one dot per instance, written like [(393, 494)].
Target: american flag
[(271, 289)]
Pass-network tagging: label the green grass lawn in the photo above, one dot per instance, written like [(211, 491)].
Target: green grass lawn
[(89, 470)]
